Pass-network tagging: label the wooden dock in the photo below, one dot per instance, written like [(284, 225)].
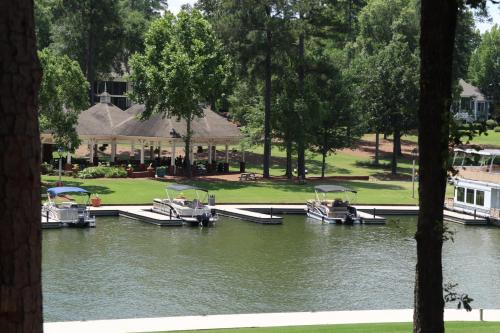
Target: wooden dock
[(266, 214), (462, 218), (248, 215), (371, 219), (148, 216)]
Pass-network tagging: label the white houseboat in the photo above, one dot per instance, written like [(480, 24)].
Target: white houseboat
[(477, 184)]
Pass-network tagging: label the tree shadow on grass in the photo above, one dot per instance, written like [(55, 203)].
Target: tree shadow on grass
[(308, 187), (78, 183), (313, 166)]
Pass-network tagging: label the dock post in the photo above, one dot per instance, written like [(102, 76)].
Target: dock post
[(271, 212), (481, 315), (170, 214), (474, 214), (373, 212), (47, 215)]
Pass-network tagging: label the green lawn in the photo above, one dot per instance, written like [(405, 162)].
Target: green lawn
[(451, 327), (338, 164), (142, 191), (490, 138)]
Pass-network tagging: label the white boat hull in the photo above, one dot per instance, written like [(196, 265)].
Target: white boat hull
[(191, 216), (332, 220), (68, 217)]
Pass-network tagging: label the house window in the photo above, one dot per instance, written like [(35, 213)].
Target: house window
[(460, 194), (469, 198), (480, 198)]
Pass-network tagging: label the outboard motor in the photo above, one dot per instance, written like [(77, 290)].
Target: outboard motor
[(349, 219), (204, 220)]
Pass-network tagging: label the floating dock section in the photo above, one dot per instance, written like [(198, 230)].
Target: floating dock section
[(248, 215), (148, 216), (462, 218), (267, 214)]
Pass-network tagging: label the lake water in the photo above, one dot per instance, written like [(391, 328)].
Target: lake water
[(125, 268)]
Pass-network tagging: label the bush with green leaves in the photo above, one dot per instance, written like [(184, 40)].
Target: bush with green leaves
[(115, 172), (497, 129), (491, 123), (47, 168), (102, 171)]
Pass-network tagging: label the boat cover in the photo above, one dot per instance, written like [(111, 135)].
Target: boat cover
[(332, 188), (55, 191), (180, 187)]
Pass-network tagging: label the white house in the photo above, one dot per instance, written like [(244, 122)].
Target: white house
[(473, 105)]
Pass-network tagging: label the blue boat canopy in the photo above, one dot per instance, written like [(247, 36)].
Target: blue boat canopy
[(55, 191), (181, 187)]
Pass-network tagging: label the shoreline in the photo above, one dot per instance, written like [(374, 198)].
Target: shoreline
[(207, 322)]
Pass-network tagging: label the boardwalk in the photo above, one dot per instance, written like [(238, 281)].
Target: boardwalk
[(257, 320)]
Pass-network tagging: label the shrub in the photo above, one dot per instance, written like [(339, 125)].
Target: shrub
[(115, 172), (102, 171), (47, 168), (497, 129), (92, 172), (491, 123)]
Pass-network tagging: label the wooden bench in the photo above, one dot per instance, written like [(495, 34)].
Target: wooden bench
[(248, 176)]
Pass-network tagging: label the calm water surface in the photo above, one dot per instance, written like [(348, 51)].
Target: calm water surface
[(125, 268)]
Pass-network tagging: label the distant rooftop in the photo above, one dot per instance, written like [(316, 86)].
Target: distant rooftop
[(468, 90)]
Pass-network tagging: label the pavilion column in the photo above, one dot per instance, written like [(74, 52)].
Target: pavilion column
[(172, 153), (210, 153), (191, 154), (68, 156), (142, 151), (159, 149), (91, 151), (113, 150), (227, 153), (132, 150), (243, 154), (41, 151)]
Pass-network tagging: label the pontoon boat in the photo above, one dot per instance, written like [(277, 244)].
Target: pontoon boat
[(192, 212), (68, 213), (332, 211)]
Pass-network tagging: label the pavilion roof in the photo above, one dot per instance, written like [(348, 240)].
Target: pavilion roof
[(100, 119), (105, 119), (210, 126)]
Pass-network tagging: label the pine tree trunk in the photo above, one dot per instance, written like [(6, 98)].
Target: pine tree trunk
[(289, 173), (323, 164), (438, 22), (394, 162), (20, 234), (398, 145), (267, 105), (301, 149), (89, 63), (187, 146), (377, 146)]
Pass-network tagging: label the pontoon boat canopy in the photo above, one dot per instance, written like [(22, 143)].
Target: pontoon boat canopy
[(332, 188), (55, 191), (484, 152), (180, 187)]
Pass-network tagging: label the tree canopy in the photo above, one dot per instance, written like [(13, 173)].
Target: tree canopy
[(61, 98), (183, 66)]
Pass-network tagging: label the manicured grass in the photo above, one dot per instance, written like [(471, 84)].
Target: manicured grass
[(490, 138), (142, 191), (338, 164), (451, 327)]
